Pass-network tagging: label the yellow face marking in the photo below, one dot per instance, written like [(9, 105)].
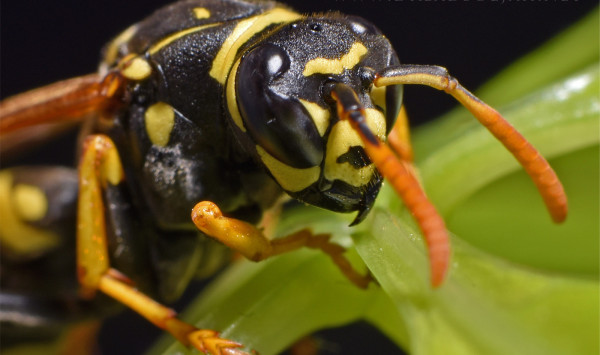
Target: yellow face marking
[(201, 13), (336, 66), (241, 34), (175, 36), (291, 179), (16, 235), (232, 98), (159, 120), (341, 138), (136, 68), (30, 202), (376, 122), (319, 115), (113, 48), (378, 96)]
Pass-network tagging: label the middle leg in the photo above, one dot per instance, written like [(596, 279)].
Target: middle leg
[(254, 245)]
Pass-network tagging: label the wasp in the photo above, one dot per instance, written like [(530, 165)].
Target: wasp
[(224, 109)]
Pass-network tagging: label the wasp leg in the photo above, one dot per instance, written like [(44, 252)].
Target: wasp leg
[(66, 100), (33, 117), (99, 166), (532, 161), (206, 340), (254, 245), (39, 306)]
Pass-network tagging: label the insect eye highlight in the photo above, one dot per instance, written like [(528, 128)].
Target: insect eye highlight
[(316, 27)]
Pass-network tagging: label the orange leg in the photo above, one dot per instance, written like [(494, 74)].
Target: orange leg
[(68, 100), (99, 166), (252, 243)]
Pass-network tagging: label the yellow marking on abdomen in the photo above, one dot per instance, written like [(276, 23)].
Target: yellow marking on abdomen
[(336, 66), (319, 115), (244, 30), (289, 178), (201, 13), (175, 36), (16, 235), (30, 202), (159, 120), (341, 138)]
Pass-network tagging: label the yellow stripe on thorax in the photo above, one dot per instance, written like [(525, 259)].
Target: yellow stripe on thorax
[(201, 12), (244, 30), (175, 36), (159, 120), (135, 67)]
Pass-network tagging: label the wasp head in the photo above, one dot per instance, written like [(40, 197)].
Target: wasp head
[(288, 119)]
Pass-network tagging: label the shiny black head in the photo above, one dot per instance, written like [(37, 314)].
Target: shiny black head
[(277, 99)]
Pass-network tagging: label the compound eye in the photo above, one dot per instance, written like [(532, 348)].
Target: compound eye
[(278, 123), (361, 26), (393, 98)]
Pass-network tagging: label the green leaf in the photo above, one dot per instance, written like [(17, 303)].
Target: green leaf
[(487, 306), (517, 283), (269, 305), (568, 53)]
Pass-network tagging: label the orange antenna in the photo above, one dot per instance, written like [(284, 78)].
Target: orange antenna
[(532, 161)]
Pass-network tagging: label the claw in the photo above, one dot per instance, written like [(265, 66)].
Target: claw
[(208, 341)]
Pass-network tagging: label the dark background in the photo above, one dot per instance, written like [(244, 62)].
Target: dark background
[(42, 42)]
